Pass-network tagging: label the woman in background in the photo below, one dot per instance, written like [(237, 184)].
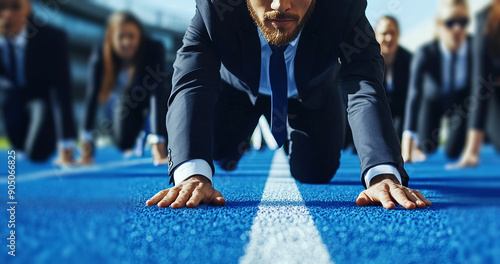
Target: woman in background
[(397, 68), (128, 76), (485, 118), (397, 73), (440, 81)]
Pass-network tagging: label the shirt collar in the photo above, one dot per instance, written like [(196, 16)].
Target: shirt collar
[(263, 40), (20, 39), (462, 51)]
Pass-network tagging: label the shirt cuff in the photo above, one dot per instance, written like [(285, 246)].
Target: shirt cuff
[(191, 168), (379, 170), (408, 134), (87, 136), (155, 139), (67, 144)]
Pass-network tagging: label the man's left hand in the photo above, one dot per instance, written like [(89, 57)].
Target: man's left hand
[(386, 190), (159, 154)]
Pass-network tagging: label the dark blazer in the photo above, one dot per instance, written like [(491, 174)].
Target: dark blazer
[(426, 81), (400, 83), (485, 67), (152, 76), (47, 69), (222, 45)]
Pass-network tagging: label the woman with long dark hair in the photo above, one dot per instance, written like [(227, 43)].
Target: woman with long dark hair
[(485, 106), (128, 76), (440, 80)]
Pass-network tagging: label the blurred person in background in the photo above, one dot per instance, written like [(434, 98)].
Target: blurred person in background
[(34, 77), (440, 81), (397, 68), (128, 76), (397, 72), (485, 117)]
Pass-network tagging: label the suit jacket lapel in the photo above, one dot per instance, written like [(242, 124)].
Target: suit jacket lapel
[(438, 63), (30, 59), (3, 71), (305, 53), (250, 51)]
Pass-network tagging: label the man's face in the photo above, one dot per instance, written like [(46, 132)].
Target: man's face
[(280, 20), (13, 15), (452, 26), (388, 36)]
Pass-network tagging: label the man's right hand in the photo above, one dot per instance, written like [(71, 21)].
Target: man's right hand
[(190, 193), (87, 151), (410, 152)]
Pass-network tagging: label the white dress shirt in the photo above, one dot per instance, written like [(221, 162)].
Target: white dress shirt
[(20, 43), (446, 68), (201, 167)]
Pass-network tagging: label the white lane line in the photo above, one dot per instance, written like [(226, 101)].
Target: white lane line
[(283, 230), (68, 171)]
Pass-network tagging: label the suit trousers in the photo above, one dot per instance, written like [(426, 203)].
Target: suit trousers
[(429, 121), (30, 125), (316, 136), (493, 119)]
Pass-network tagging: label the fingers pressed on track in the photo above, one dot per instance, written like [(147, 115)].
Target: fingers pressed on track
[(402, 199), (385, 198), (216, 199), (157, 197), (195, 199), (414, 198), (363, 199), (422, 197), (182, 198), (169, 198)]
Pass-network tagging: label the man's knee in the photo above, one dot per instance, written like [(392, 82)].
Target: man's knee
[(227, 164), (40, 155), (428, 146), (453, 152), (314, 174)]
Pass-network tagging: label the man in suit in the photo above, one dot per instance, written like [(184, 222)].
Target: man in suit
[(33, 70), (242, 59), (441, 82)]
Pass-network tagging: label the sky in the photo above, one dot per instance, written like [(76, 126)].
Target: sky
[(416, 16)]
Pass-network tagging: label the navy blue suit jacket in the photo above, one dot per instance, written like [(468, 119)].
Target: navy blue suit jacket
[(47, 69), (222, 45)]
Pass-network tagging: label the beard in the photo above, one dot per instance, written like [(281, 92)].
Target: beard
[(278, 35)]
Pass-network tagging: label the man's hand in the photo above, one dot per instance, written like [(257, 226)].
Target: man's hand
[(467, 160), (385, 189), (411, 152), (470, 158), (190, 193), (65, 157), (87, 151), (159, 153)]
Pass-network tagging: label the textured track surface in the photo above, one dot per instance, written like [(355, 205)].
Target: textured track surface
[(97, 215)]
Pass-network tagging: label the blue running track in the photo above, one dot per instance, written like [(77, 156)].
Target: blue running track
[(98, 215)]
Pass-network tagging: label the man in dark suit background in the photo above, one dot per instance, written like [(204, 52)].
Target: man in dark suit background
[(34, 69), (241, 59), (441, 81)]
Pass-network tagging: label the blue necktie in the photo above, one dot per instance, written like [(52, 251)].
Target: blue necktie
[(449, 96), (13, 64), (279, 97)]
